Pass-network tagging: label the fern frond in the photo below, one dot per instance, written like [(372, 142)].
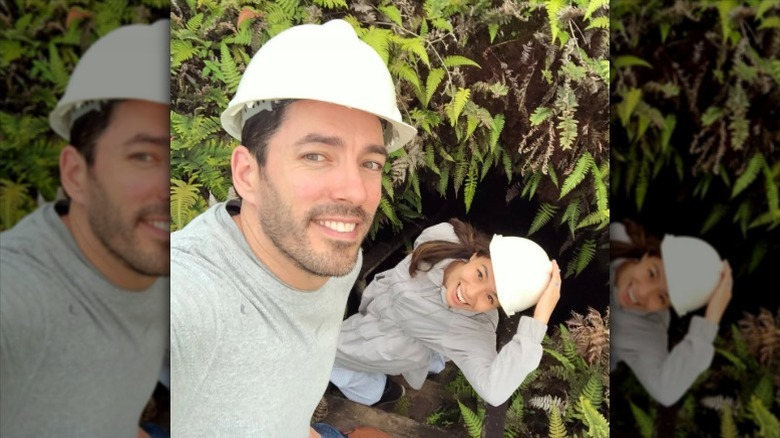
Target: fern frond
[(474, 422), (471, 185), (584, 164), (544, 214), (644, 420), (434, 79), (457, 104), (556, 429), (598, 426), (457, 60), (754, 166), (585, 254), (184, 195), (331, 4), (767, 422), (495, 131), (229, 69)]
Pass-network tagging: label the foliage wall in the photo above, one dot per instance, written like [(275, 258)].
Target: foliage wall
[(40, 44), (696, 120), (502, 87)]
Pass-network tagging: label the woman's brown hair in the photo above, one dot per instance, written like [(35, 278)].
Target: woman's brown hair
[(471, 241), (642, 242)]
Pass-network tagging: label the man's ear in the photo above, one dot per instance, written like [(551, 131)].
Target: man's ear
[(246, 173), (74, 176)]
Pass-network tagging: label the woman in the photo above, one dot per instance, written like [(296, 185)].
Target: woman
[(641, 278), (440, 303)]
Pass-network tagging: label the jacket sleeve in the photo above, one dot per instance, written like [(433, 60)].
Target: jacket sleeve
[(496, 376), (667, 375)]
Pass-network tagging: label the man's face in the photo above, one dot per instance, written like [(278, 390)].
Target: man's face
[(321, 185), (128, 196)]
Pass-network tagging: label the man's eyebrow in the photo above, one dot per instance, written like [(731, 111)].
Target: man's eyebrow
[(146, 138), (337, 141)]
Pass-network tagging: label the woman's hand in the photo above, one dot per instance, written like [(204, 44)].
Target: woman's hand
[(550, 296), (720, 296)]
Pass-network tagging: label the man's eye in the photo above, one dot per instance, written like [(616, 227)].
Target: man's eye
[(373, 165), (143, 157), (314, 157)]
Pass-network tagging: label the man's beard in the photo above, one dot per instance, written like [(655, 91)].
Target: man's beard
[(117, 234), (289, 235)]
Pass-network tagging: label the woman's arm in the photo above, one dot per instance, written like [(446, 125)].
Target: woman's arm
[(496, 376)]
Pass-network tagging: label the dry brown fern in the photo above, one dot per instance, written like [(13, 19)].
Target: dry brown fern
[(762, 336), (590, 334)]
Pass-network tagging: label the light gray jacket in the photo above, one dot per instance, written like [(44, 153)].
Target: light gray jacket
[(401, 320)]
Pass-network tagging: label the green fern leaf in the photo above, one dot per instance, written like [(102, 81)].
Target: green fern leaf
[(331, 4), (571, 216), (444, 178), (387, 184), (473, 421), (184, 195), (600, 187), (593, 390), (598, 426), (493, 31), (717, 213), (642, 184), (585, 254), (531, 185), (553, 7), (379, 39), (471, 185), (457, 60), (228, 68), (455, 108), (461, 168), (567, 364), (59, 74), (598, 217), (644, 420), (387, 209), (407, 73), (595, 5), (768, 424), (15, 203), (599, 23), (567, 126), (544, 214), (194, 23), (556, 429), (728, 428), (417, 47), (434, 79), (506, 160), (771, 186), (584, 164), (495, 131), (539, 115), (754, 166), (393, 14)]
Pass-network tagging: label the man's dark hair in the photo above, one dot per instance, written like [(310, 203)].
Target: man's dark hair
[(87, 128), (259, 129)]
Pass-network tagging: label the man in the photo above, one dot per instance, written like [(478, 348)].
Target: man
[(259, 286), (84, 298)]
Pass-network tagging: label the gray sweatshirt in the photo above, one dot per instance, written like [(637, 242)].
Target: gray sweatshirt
[(640, 339), (250, 356), (78, 355)]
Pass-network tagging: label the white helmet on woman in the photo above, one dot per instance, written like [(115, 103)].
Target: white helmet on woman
[(522, 271), (327, 63), (130, 62), (692, 268)]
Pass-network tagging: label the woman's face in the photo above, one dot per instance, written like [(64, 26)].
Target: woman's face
[(471, 285), (641, 285)]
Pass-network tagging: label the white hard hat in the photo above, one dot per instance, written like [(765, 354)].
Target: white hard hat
[(326, 62), (522, 270), (692, 268), (130, 62)]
